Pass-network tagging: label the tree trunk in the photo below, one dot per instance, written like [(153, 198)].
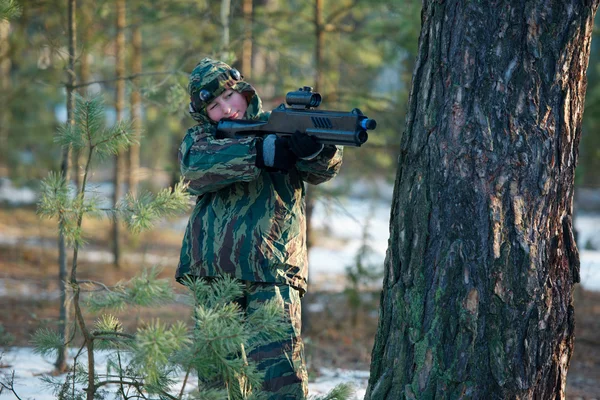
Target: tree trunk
[(84, 76), (477, 297), (136, 111), (119, 106), (225, 12), (5, 65), (319, 44), (310, 195), (247, 47), (63, 318)]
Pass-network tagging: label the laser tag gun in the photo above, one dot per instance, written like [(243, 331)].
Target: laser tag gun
[(327, 127)]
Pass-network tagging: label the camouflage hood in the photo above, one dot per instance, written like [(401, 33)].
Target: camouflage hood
[(209, 79)]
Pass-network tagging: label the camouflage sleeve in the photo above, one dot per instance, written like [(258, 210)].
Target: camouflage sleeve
[(209, 164), (323, 167)]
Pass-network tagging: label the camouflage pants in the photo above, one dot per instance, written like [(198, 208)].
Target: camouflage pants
[(282, 361)]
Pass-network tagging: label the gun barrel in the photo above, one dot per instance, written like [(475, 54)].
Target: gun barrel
[(342, 138), (368, 124), (240, 126)]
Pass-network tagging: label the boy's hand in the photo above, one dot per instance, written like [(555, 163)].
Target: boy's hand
[(305, 146), (274, 152)]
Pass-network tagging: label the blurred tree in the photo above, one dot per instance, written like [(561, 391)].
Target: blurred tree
[(9, 9), (136, 104), (84, 76), (5, 65), (362, 60), (34, 60), (247, 45), (119, 111), (63, 319), (479, 275)]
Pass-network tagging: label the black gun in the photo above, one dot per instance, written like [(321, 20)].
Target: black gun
[(327, 127)]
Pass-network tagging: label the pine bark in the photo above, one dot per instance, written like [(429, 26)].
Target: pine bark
[(477, 299)]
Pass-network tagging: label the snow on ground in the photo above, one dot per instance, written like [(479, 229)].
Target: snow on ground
[(30, 367)]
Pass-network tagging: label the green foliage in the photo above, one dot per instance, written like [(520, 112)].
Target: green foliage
[(224, 335), (155, 345), (46, 342), (140, 213), (88, 131), (9, 9), (340, 392), (145, 290)]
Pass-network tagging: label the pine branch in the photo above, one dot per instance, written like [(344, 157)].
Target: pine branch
[(9, 9), (95, 283), (340, 392), (101, 334)]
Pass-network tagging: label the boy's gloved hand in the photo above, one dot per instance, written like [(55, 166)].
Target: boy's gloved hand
[(274, 152), (305, 146)]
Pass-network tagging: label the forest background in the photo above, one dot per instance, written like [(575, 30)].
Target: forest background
[(356, 53)]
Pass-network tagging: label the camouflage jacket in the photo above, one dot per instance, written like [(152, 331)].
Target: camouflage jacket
[(248, 222)]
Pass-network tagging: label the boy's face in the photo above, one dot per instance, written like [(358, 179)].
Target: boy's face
[(230, 104)]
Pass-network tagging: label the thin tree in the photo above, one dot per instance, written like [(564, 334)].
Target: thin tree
[(119, 109), (63, 318), (318, 83), (477, 299), (225, 15), (84, 76), (88, 134), (9, 9), (5, 64), (136, 108), (247, 10)]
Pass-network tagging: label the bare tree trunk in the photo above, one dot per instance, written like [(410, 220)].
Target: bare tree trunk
[(310, 196), (225, 12), (5, 65), (136, 111), (63, 319), (477, 298), (84, 76), (119, 106), (247, 47), (319, 43)]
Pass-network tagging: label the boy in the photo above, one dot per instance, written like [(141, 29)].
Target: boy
[(249, 220)]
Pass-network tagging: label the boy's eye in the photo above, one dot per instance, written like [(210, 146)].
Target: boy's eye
[(228, 95)]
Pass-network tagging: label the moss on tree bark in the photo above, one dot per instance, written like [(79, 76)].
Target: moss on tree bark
[(477, 298)]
